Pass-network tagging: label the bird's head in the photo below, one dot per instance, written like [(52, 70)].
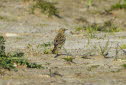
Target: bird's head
[(62, 30)]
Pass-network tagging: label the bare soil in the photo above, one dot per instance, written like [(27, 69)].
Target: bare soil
[(37, 28)]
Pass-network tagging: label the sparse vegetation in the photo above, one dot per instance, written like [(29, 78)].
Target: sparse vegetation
[(109, 27), (12, 61), (120, 5), (89, 3), (68, 58), (124, 65), (123, 46), (103, 50), (90, 49), (79, 28), (92, 67), (6, 18), (46, 8), (47, 51), (31, 50), (91, 30), (47, 47), (3, 18)]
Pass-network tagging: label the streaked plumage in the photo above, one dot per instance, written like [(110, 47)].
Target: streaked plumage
[(59, 40)]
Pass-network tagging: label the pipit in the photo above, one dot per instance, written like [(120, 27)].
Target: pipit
[(59, 41)]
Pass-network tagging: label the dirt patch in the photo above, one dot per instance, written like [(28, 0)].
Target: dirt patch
[(33, 29)]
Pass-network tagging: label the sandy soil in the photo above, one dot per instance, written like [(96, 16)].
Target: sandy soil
[(38, 29)]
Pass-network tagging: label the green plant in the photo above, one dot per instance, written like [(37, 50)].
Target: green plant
[(33, 50), (91, 30), (46, 44), (47, 51), (79, 28), (120, 5), (46, 8), (2, 46), (13, 60), (16, 54), (30, 50), (123, 46), (124, 65), (47, 47), (33, 65), (103, 50), (89, 3), (68, 59), (6, 18), (109, 27), (2, 18)]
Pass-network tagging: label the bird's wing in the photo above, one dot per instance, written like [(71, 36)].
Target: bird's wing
[(59, 39)]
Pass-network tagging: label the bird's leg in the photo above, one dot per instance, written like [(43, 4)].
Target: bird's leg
[(57, 53)]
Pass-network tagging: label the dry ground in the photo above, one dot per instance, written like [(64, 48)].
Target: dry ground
[(37, 29)]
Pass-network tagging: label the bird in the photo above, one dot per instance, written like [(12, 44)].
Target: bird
[(59, 40)]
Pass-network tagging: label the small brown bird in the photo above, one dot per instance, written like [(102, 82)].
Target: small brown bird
[(59, 40)]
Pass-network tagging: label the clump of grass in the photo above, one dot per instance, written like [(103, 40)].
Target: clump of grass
[(68, 58), (47, 51), (6, 18), (108, 26), (119, 5), (47, 47), (46, 44), (89, 3), (123, 46), (31, 51), (33, 65), (79, 28), (103, 50), (124, 65), (91, 30), (12, 61), (3, 18), (46, 8)]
